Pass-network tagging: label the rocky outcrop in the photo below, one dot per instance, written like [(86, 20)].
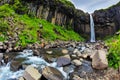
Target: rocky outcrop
[(99, 60), (107, 21), (31, 74)]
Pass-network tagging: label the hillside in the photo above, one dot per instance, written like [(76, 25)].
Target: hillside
[(25, 29)]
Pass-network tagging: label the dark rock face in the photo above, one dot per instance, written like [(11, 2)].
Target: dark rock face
[(107, 22), (57, 13)]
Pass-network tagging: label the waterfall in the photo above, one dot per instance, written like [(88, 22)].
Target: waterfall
[(92, 29)]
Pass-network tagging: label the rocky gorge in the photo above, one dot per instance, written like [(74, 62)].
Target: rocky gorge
[(64, 61), (56, 12), (54, 60)]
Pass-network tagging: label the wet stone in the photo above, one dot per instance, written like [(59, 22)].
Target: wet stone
[(63, 60), (51, 73)]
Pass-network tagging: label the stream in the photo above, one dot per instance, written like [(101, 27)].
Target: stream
[(37, 62)]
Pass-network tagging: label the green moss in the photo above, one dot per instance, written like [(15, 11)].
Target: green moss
[(6, 10), (2, 38), (67, 3), (114, 51)]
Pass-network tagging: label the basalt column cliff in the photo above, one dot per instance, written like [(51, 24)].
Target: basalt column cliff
[(63, 13), (58, 12), (107, 21)]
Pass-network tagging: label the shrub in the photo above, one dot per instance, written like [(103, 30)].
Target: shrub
[(114, 51)]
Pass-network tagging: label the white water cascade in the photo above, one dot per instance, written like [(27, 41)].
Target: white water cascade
[(92, 29), (38, 62)]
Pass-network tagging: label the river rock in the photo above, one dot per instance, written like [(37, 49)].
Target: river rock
[(63, 60), (15, 65), (51, 73), (99, 60), (1, 43), (77, 62), (1, 56), (21, 78), (49, 52), (64, 51), (76, 77), (74, 56), (1, 47), (85, 56), (36, 52), (79, 54), (75, 51), (31, 73)]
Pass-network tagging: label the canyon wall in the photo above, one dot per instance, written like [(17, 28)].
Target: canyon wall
[(61, 14), (57, 12), (107, 21)]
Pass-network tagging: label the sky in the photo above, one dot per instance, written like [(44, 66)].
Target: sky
[(91, 5)]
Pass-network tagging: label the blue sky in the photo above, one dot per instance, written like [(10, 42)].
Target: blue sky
[(91, 5)]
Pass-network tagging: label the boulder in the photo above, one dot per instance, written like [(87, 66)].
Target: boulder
[(21, 78), (15, 65), (31, 73), (79, 54), (64, 51), (1, 43), (63, 60), (77, 62), (51, 73), (76, 77), (85, 56), (99, 60), (36, 52)]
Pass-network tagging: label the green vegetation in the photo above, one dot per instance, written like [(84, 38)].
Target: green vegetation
[(29, 29), (67, 3), (114, 51)]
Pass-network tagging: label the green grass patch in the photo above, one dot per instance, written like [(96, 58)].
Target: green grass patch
[(114, 51), (29, 30), (6, 10)]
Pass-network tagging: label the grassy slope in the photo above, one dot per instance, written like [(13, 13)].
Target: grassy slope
[(114, 51), (28, 28)]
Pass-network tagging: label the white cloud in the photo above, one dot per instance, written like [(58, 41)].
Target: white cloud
[(91, 5)]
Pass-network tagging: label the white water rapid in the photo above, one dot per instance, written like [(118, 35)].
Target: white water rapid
[(92, 29), (38, 62)]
